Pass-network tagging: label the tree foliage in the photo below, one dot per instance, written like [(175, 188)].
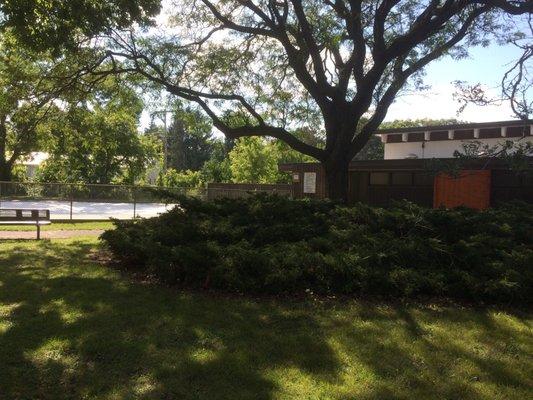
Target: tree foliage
[(189, 139), (253, 160), (26, 101), (60, 24), (96, 140), (179, 179)]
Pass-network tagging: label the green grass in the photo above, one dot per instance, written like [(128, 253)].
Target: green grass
[(71, 328), (58, 226)]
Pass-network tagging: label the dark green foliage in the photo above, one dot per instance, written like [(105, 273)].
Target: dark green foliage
[(59, 24), (189, 140), (269, 244)]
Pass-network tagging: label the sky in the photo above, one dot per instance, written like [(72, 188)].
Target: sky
[(485, 65)]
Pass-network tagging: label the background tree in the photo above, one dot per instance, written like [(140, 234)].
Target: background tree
[(182, 179), (189, 139), (96, 140), (372, 150), (409, 123), (25, 103), (255, 160), (217, 168)]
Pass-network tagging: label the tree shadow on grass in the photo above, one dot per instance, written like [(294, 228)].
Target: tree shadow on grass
[(72, 329), (440, 353)]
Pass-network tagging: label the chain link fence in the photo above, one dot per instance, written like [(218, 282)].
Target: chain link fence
[(71, 201), (89, 192), (91, 201)]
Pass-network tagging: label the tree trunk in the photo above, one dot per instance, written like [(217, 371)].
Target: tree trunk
[(5, 172), (337, 180)]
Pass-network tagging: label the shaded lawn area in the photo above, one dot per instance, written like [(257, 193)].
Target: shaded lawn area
[(61, 226), (71, 328)]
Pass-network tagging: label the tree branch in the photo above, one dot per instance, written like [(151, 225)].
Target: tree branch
[(401, 76)]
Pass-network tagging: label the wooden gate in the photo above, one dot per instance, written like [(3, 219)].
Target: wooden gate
[(470, 188)]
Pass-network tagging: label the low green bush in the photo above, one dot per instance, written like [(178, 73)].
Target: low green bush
[(270, 244)]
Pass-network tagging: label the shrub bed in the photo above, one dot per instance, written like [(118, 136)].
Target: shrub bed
[(270, 244)]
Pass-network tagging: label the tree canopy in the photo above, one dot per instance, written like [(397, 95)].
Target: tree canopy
[(26, 102), (60, 24), (96, 140), (189, 139)]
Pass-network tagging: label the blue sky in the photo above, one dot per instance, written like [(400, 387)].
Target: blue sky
[(485, 65)]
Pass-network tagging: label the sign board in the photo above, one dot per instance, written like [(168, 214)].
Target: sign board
[(309, 182), (296, 177)]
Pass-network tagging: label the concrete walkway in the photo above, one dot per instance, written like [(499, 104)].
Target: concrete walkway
[(59, 234)]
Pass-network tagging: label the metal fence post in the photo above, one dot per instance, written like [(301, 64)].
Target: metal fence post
[(70, 196), (134, 203)]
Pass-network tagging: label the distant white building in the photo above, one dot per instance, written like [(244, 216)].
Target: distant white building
[(32, 162), (443, 141)]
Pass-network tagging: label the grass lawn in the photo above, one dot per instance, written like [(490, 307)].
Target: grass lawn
[(58, 226), (71, 328)]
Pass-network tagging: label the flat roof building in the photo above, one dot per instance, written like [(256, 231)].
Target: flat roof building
[(443, 140), (405, 171)]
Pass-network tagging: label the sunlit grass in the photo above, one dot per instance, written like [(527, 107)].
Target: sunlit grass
[(71, 328), (58, 226)]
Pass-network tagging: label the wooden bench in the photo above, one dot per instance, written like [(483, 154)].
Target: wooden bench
[(25, 217)]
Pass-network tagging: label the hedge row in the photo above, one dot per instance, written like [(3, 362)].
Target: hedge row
[(270, 244)]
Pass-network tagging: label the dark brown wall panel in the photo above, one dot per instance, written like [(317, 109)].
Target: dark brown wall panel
[(415, 137), (394, 138), (464, 134), (402, 178), (489, 133), (439, 135), (518, 131)]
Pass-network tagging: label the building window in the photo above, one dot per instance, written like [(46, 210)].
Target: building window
[(416, 137), (464, 134), (517, 131), (379, 178)]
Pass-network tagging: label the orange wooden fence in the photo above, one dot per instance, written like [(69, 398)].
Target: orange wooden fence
[(471, 189)]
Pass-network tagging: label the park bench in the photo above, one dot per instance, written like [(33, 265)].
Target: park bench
[(25, 217)]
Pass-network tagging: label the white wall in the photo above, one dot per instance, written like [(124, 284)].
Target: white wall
[(433, 149)]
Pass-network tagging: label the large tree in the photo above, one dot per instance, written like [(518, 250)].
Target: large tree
[(280, 63)]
